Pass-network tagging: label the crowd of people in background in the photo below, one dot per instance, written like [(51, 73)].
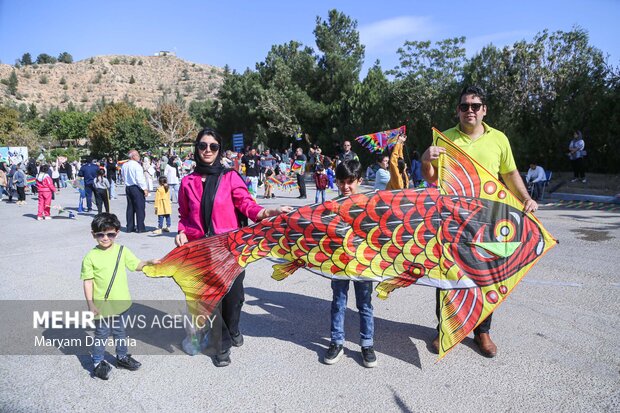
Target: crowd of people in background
[(98, 179)]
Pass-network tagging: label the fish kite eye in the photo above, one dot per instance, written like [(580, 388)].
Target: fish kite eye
[(504, 231)]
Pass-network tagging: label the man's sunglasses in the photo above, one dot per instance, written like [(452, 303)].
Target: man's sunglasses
[(464, 107), (110, 235), (213, 146)]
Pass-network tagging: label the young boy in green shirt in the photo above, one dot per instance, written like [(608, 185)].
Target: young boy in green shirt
[(107, 292)]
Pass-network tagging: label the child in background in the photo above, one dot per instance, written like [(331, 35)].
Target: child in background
[(102, 184), (45, 187), (107, 292), (321, 181), (330, 176), (348, 179), (163, 206), (268, 185), (78, 183)]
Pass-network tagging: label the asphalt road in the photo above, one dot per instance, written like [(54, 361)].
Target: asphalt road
[(557, 333)]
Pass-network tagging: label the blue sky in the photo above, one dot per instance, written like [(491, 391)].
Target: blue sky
[(240, 33)]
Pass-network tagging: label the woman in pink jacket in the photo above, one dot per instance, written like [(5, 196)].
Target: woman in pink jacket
[(214, 200), (45, 187)]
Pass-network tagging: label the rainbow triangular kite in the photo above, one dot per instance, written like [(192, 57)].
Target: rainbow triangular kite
[(288, 184), (378, 141), (299, 167)]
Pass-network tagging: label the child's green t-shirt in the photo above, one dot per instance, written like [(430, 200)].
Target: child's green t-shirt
[(98, 265)]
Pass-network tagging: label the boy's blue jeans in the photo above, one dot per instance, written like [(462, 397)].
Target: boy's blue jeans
[(363, 295), (320, 193), (160, 219), (105, 326)]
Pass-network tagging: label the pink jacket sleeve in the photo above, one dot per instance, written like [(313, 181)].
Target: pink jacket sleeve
[(242, 199), (189, 212)]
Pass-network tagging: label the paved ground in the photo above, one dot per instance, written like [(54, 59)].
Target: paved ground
[(557, 334)]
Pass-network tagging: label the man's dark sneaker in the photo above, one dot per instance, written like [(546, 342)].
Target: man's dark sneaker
[(222, 359), (237, 340), (368, 356), (128, 363), (103, 370), (334, 354)]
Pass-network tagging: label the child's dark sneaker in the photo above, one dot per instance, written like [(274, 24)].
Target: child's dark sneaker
[(222, 359), (128, 363), (334, 353), (103, 370), (369, 357), (237, 340)]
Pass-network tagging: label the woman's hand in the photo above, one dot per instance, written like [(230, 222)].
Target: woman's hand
[(180, 239), (284, 210), (270, 212)]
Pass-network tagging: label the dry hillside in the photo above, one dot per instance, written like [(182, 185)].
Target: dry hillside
[(85, 82)]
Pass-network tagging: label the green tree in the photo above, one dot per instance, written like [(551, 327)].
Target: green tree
[(12, 83), (288, 77), (9, 123), (44, 58), (340, 60), (204, 113), (427, 82), (239, 99), (132, 80), (372, 103), (65, 57), (543, 90), (120, 127), (26, 59), (73, 126)]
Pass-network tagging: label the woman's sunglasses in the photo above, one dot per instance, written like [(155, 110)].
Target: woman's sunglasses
[(213, 146), (110, 235)]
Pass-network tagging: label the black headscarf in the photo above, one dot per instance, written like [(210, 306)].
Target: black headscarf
[(212, 174)]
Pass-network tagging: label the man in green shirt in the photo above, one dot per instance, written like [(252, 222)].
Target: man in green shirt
[(490, 148)]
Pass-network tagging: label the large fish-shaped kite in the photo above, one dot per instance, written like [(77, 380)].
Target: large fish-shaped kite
[(469, 237)]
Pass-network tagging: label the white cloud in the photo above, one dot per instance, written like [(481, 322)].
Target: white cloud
[(390, 34)]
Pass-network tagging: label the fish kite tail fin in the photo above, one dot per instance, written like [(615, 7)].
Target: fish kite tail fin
[(281, 271), (205, 269), (384, 288), (460, 312)]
